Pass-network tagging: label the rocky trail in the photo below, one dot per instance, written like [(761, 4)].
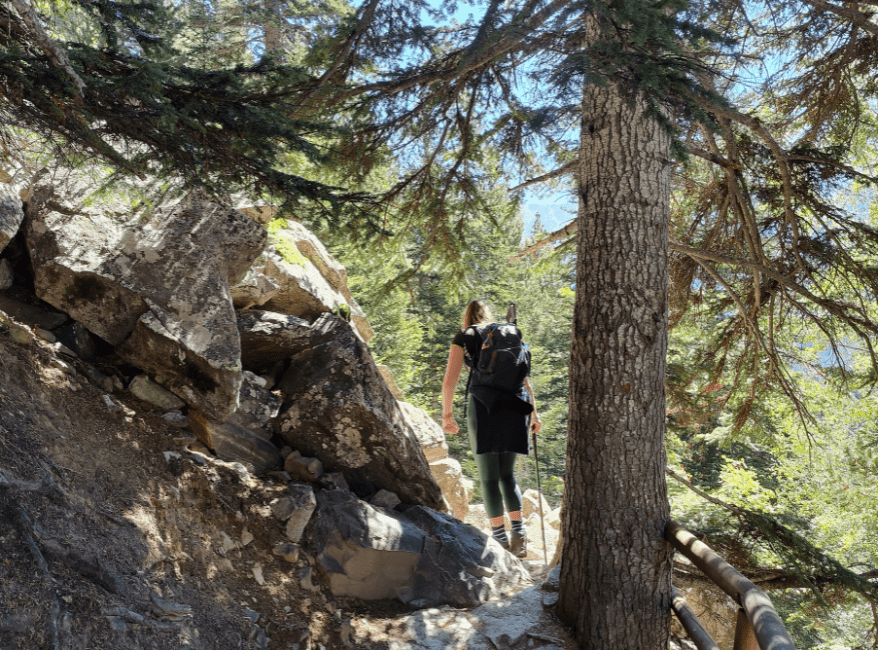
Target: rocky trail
[(197, 449), (117, 532)]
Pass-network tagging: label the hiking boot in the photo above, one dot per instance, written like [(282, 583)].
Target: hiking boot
[(518, 544)]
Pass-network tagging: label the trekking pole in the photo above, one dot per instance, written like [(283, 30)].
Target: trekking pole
[(540, 496)]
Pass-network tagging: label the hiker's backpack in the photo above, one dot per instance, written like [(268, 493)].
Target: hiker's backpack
[(504, 360)]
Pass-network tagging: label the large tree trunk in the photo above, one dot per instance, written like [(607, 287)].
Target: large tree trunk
[(615, 566)]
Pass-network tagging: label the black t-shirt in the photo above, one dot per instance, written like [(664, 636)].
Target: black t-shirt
[(471, 342)]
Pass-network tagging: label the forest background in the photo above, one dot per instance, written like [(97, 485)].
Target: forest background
[(798, 451)]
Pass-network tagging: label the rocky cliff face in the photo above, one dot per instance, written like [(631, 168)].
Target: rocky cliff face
[(175, 460)]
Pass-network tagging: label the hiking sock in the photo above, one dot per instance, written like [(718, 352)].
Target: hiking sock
[(499, 533), (517, 524)]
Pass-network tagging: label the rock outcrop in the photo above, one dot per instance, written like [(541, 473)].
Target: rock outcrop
[(338, 409), (165, 275), (421, 557)]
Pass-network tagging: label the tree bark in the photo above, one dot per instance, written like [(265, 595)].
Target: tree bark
[(615, 585)]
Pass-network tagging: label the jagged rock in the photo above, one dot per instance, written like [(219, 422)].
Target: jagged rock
[(429, 434), (302, 468), (177, 419), (295, 509), (391, 383), (289, 552), (46, 319), (296, 275), (175, 262), (421, 557), (333, 272), (6, 275), (334, 481), (268, 336), (338, 409), (144, 388), (253, 290), (11, 213), (449, 476), (231, 442), (198, 382), (257, 407), (530, 503), (385, 499), (78, 339)]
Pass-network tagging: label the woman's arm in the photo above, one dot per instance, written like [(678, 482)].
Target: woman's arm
[(535, 423), (452, 374)]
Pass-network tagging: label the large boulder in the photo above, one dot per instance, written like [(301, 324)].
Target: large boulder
[(107, 267), (296, 275), (429, 434), (421, 557), (267, 337), (11, 213), (455, 488), (337, 408)]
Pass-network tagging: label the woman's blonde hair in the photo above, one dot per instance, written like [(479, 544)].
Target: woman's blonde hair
[(476, 312)]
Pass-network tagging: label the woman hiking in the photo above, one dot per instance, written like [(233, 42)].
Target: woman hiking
[(497, 424)]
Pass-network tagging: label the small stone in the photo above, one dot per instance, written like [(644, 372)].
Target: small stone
[(111, 404), (345, 630), (149, 391), (285, 451), (334, 481), (269, 381), (550, 599), (288, 551), (282, 476), (99, 379), (303, 469), (170, 455), (246, 537), (257, 574), (45, 335), (117, 624), (176, 419), (60, 348), (306, 580), (253, 616), (385, 499), (21, 334)]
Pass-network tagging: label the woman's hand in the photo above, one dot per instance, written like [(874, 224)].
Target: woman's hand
[(448, 424), (535, 424)]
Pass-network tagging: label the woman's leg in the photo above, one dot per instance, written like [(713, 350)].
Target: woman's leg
[(512, 498), (489, 478)]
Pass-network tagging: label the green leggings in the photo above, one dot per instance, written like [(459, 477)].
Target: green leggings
[(495, 473)]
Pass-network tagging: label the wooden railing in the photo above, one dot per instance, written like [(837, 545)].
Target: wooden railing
[(758, 627)]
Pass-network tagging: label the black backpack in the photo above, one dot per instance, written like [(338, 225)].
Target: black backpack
[(504, 360)]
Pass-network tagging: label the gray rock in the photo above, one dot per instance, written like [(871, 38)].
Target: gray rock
[(11, 213), (331, 270), (429, 434), (144, 388), (176, 418), (385, 499), (46, 319), (198, 382), (287, 551), (334, 481), (391, 383), (338, 409), (253, 290), (257, 406), (449, 476), (421, 557), (233, 443), (175, 262), (295, 509), (46, 335), (303, 469), (6, 275), (268, 336), (99, 379)]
